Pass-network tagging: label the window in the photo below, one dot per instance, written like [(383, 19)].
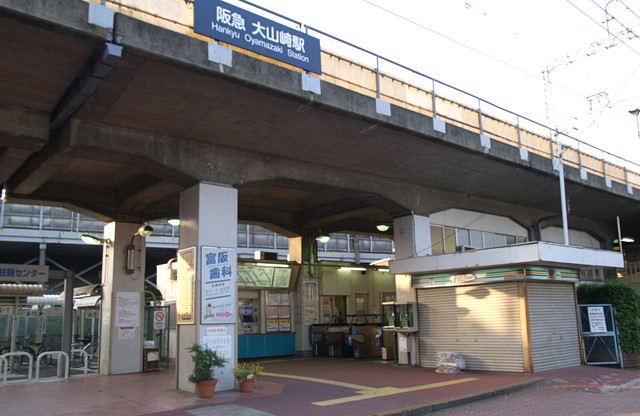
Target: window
[(475, 239), (449, 240), (437, 246)]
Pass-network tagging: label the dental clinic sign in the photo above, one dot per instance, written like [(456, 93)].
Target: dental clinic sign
[(226, 23)]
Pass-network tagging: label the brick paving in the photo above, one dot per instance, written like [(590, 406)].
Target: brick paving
[(334, 387)]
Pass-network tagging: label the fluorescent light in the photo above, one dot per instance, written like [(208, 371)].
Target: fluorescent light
[(384, 270), (272, 265), (354, 269)]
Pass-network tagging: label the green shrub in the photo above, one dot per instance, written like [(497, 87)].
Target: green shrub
[(625, 299)]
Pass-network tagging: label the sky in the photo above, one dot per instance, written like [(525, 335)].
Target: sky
[(499, 50)]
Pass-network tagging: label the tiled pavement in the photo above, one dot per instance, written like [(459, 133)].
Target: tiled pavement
[(329, 386)]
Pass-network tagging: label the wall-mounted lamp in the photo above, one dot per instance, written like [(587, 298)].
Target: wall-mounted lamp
[(174, 222), (383, 227), (625, 240), (323, 238), (92, 239), (143, 231)]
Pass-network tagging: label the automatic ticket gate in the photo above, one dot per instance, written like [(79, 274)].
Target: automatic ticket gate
[(358, 341)]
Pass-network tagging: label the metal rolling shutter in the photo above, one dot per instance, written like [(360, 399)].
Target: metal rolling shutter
[(482, 322), (553, 326)]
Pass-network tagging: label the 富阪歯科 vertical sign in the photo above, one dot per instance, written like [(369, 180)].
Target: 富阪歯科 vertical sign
[(239, 27), (219, 276)]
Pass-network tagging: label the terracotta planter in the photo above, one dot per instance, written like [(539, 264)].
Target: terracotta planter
[(246, 386), (205, 389)]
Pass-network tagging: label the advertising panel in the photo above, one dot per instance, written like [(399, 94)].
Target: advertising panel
[(219, 275)]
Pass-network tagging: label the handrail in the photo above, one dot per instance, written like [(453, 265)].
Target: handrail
[(544, 143)]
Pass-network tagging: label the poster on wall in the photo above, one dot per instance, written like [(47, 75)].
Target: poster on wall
[(127, 309), (272, 325), (219, 275), (186, 280)]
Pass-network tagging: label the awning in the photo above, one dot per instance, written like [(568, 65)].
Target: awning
[(84, 291), (86, 302)]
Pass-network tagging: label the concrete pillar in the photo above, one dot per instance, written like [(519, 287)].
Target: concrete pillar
[(412, 236), (306, 303), (207, 262), (122, 325)]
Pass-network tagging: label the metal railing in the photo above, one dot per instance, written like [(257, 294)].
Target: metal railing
[(55, 225), (371, 74)]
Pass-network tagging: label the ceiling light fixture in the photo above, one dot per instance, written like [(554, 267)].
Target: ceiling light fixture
[(383, 227), (174, 222)]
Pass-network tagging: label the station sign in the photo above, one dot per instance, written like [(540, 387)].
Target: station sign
[(224, 22), (23, 273)]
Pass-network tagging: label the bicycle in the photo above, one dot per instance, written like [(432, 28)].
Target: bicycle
[(35, 350), (78, 353)]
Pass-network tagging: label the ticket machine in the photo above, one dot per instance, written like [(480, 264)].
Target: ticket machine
[(248, 316)]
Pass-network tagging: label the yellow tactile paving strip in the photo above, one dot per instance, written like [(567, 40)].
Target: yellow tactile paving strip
[(364, 392)]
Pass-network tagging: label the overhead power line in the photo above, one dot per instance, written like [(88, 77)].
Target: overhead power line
[(477, 51), (602, 27)]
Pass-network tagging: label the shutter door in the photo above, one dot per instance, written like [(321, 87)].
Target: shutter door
[(481, 322), (554, 326)]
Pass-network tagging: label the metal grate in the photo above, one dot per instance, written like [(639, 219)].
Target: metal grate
[(599, 336)]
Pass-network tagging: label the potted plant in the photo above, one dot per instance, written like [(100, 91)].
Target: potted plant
[(246, 374), (205, 360)]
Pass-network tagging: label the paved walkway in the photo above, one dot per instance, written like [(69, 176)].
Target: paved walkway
[(328, 386)]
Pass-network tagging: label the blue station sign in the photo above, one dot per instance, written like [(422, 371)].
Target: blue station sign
[(227, 23)]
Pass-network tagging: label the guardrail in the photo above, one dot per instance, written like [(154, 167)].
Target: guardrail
[(374, 75)]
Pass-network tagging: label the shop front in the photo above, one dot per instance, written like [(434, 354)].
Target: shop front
[(265, 305), (503, 309)]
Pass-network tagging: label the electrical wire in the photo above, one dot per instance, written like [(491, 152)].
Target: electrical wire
[(614, 18), (493, 58), (602, 27), (629, 8)]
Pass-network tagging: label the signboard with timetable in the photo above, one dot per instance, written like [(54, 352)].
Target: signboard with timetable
[(219, 275), (239, 27)]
